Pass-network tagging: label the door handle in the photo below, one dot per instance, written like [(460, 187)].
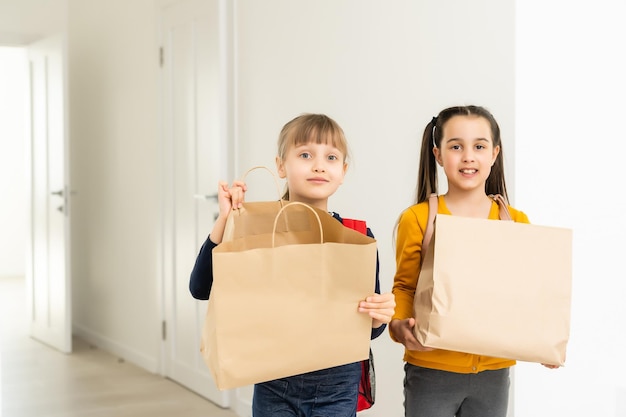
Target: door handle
[(59, 193), (206, 197)]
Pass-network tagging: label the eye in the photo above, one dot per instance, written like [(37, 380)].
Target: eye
[(455, 147), (305, 155), (480, 147), (332, 157)]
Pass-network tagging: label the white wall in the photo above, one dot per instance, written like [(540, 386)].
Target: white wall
[(115, 161), (569, 160), (13, 136), (21, 22), (382, 70)]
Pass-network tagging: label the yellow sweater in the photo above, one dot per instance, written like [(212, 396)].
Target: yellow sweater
[(411, 227)]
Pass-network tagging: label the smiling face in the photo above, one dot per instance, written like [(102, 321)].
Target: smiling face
[(466, 153), (314, 171)]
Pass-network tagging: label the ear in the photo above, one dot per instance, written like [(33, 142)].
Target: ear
[(345, 169), (437, 154), (280, 167), (496, 151)]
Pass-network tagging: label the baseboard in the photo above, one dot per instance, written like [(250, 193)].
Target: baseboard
[(117, 349), (240, 405)]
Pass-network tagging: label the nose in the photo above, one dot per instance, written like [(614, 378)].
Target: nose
[(319, 165), (468, 155)]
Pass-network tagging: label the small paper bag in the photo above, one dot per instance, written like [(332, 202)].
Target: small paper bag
[(284, 302), (496, 288)]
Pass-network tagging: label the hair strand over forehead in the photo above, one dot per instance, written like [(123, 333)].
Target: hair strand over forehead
[(311, 128)]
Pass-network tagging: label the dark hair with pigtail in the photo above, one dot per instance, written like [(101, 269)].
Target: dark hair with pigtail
[(427, 174)]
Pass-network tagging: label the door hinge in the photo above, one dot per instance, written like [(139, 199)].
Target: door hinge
[(163, 330), (161, 56)]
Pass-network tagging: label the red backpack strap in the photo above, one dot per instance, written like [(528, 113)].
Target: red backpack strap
[(367, 384), (358, 225)]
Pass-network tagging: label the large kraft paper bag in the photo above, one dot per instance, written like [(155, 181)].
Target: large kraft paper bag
[(284, 302), (496, 288)]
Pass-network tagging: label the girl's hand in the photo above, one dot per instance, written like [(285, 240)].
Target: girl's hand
[(403, 332), (380, 307), (552, 366), (237, 192), (230, 198)]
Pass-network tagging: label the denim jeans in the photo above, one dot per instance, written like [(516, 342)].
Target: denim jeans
[(330, 392), (434, 393)]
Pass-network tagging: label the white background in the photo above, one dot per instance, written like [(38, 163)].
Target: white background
[(550, 71)]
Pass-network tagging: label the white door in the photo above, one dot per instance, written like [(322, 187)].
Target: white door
[(196, 120), (47, 269)]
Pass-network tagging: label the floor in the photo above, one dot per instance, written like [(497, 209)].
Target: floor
[(38, 381)]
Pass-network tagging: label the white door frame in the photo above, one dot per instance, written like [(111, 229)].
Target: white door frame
[(220, 126)]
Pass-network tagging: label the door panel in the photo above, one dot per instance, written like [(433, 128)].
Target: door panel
[(195, 156), (48, 274)]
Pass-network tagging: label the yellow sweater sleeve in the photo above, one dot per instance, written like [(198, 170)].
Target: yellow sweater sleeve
[(410, 233)]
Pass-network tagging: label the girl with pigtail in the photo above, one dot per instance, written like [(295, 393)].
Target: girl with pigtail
[(465, 141)]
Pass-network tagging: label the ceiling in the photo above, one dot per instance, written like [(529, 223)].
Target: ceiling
[(24, 21)]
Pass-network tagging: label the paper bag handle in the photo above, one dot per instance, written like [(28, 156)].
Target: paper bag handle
[(504, 206), (319, 222), (243, 177), (433, 204)]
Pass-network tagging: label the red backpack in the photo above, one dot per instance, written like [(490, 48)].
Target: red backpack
[(367, 384)]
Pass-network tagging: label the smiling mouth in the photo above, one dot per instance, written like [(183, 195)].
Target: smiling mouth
[(317, 180), (469, 171)]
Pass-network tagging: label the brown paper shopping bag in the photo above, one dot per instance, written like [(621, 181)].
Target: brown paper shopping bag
[(496, 288), (285, 302)]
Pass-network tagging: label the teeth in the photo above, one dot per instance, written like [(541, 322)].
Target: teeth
[(468, 171)]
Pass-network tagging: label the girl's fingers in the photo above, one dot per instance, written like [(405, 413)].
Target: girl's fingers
[(388, 298), (373, 302), (381, 316), (223, 198), (240, 184), (237, 193)]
